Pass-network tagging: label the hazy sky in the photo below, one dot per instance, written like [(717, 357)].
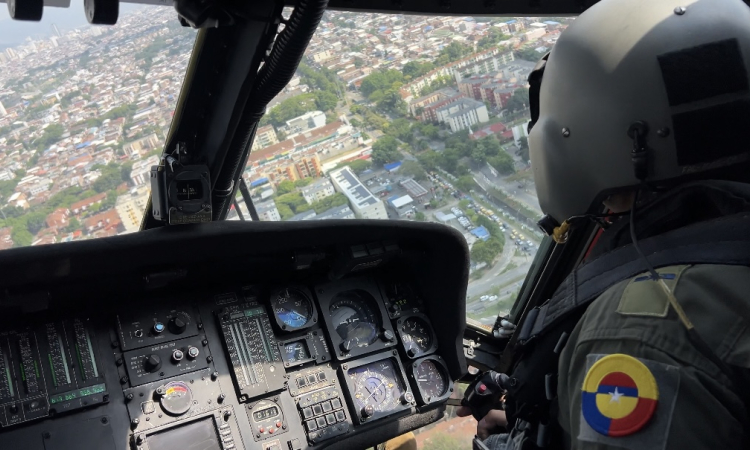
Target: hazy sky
[(13, 32)]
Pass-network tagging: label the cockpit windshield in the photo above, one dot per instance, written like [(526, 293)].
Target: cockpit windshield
[(390, 117)]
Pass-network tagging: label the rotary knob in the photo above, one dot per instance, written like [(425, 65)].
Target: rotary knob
[(153, 363), (177, 325), (367, 411)]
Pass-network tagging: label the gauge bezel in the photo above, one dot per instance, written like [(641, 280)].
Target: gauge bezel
[(326, 294), (419, 394), (402, 345), (351, 388), (273, 297)]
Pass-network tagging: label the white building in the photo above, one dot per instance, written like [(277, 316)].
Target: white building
[(463, 113), (364, 204), (131, 206), (3, 112), (141, 171), (403, 206), (267, 211), (317, 190), (306, 122)]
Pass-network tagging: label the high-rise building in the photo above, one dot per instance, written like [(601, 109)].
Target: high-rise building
[(12, 54), (55, 31), (3, 112), (130, 207)]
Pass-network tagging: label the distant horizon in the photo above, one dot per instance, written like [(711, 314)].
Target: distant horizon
[(14, 32)]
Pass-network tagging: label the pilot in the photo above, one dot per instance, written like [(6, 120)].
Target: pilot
[(644, 106)]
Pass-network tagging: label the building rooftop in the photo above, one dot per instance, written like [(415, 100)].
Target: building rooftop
[(402, 201), (307, 215), (353, 188), (315, 186), (337, 212), (264, 207), (415, 189)]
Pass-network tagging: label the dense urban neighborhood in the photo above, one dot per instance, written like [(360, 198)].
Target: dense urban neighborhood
[(388, 117)]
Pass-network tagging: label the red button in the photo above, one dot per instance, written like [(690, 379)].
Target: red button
[(262, 430), (271, 430), (278, 424), (482, 388)]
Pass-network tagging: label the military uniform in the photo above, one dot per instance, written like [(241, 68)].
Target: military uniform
[(629, 377), (695, 404)]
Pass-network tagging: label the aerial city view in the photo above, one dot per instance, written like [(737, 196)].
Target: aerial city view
[(394, 117)]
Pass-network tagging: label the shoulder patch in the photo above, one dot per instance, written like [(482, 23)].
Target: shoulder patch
[(627, 402), (642, 297)]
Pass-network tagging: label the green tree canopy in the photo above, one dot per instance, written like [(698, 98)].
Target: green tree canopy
[(385, 150), (284, 187), (413, 169)]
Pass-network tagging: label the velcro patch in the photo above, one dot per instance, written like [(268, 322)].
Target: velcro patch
[(643, 297), (627, 402)]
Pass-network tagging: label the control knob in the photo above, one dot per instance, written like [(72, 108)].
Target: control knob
[(177, 355), (193, 352), (177, 325), (153, 363)]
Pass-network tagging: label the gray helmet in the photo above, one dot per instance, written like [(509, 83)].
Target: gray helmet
[(666, 77)]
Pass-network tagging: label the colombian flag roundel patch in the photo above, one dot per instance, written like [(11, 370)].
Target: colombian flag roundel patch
[(619, 395)]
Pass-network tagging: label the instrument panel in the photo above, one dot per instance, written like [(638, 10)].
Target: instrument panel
[(314, 362)]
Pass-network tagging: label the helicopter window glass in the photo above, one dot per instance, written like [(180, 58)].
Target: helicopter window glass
[(84, 112)]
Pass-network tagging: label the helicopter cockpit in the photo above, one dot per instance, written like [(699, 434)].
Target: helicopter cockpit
[(265, 225)]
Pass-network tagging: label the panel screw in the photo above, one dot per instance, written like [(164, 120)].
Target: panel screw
[(119, 361), (204, 342), (215, 375), (344, 367), (566, 132), (134, 423), (130, 396), (115, 344), (123, 380), (209, 358), (46, 435), (200, 325), (680, 10), (663, 132)]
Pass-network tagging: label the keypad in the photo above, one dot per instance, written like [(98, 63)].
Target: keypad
[(323, 414)]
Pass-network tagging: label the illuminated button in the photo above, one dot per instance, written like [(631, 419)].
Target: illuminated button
[(261, 430), (317, 409), (340, 416), (322, 376), (321, 422), (177, 355), (193, 352), (327, 407), (278, 424), (307, 413), (482, 388), (311, 425), (336, 403), (311, 379), (331, 419), (159, 327), (301, 382), (272, 430)]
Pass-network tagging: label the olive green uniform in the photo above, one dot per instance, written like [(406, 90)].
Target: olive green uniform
[(698, 406)]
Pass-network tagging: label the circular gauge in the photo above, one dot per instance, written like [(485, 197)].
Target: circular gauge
[(417, 336), (293, 308), (432, 379), (377, 387), (355, 317), (296, 351), (176, 398)]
